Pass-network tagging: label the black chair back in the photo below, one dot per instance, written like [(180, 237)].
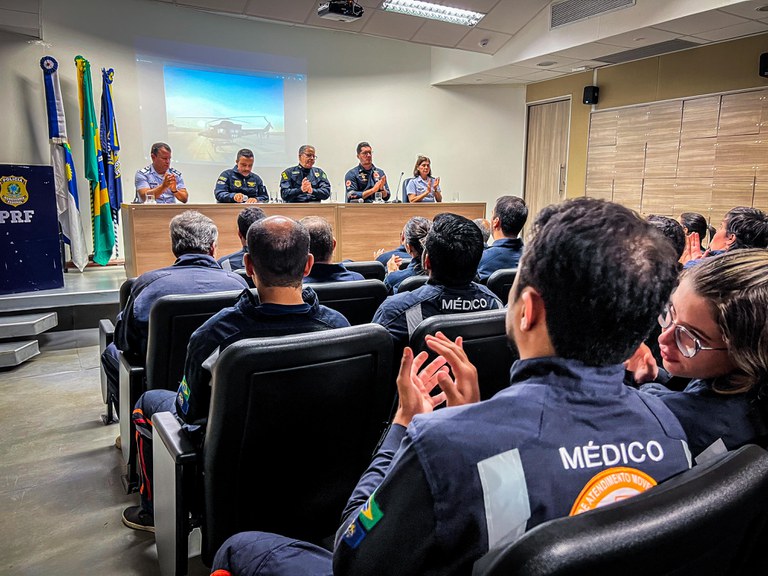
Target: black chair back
[(412, 283), (292, 425), (244, 276), (370, 269), (172, 319), (485, 342), (125, 291), (405, 189), (501, 281), (357, 300), (709, 520)]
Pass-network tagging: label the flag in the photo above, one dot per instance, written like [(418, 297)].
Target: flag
[(110, 150), (67, 203), (101, 218)]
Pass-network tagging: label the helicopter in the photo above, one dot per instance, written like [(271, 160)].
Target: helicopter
[(225, 131)]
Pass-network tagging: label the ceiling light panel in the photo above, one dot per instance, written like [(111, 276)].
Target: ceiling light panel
[(433, 11)]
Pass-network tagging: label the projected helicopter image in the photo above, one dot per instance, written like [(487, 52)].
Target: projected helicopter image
[(210, 124)]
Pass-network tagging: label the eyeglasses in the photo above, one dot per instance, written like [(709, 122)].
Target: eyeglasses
[(313, 156), (688, 344)]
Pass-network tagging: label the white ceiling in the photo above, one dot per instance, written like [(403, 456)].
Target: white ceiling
[(494, 35)]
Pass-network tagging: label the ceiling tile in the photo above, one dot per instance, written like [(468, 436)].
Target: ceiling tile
[(440, 33), (16, 19), (746, 9), (511, 71), (591, 51), (745, 29), (694, 39), (702, 22), (32, 6), (511, 81), (580, 66), (559, 61), (639, 38), (540, 75), (392, 25), (493, 41), (294, 11), (509, 17), (234, 6)]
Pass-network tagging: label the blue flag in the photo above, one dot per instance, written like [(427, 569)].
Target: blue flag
[(110, 149), (67, 203)]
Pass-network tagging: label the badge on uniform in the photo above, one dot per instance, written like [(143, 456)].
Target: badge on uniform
[(251, 184), (349, 183), (222, 178), (285, 176), (370, 514), (237, 183), (354, 534), (317, 175)]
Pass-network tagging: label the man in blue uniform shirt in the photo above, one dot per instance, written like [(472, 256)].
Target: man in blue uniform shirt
[(452, 249), (159, 180), (364, 180), (304, 182), (321, 246), (241, 184), (565, 437), (278, 258), (193, 241), (509, 217), (247, 216)]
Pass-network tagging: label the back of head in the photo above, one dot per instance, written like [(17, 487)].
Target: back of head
[(512, 214), (320, 237), (278, 248), (672, 230), (736, 285), (454, 246), (603, 273), (749, 226), (414, 232), (192, 233), (485, 229), (695, 222), (247, 217)]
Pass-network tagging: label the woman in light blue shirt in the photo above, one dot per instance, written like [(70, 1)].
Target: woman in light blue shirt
[(423, 188)]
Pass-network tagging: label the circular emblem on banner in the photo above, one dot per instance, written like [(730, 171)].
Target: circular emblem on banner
[(609, 486), (13, 190), (49, 64)]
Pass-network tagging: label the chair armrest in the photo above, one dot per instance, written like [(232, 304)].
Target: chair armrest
[(166, 429), (106, 337), (131, 388)]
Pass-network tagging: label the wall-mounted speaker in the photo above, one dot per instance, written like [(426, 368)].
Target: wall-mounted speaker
[(590, 94), (764, 65)]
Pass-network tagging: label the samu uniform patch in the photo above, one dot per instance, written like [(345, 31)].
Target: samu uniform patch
[(370, 515)]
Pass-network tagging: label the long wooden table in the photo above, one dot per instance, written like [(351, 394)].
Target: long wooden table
[(360, 229)]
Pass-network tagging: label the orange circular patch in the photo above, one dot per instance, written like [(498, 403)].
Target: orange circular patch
[(609, 486)]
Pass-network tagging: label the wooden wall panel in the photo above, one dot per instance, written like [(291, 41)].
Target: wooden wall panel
[(600, 188), (740, 113), (692, 195), (739, 156), (602, 129), (664, 122), (658, 196), (661, 159), (761, 193), (727, 193), (629, 193), (700, 117), (629, 161), (631, 127), (696, 157), (600, 162)]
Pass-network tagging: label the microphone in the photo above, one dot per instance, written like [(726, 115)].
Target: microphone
[(398, 191)]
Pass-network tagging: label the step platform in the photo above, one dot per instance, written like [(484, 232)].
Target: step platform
[(14, 353), (25, 325)]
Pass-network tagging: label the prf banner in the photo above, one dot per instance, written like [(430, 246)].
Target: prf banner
[(30, 251)]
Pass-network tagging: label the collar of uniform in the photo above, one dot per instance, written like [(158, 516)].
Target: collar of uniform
[(569, 373), (250, 299), (204, 260), (371, 169), (236, 173), (508, 243)]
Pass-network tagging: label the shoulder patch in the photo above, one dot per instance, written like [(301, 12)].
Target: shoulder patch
[(222, 178), (285, 176), (354, 534), (370, 514), (609, 486)]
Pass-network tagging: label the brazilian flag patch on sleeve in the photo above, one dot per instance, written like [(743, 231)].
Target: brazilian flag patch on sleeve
[(183, 396), (370, 514)]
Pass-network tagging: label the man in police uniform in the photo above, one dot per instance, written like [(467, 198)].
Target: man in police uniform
[(304, 182), (565, 437), (364, 180), (240, 184), (159, 179), (452, 249), (509, 216), (247, 216), (321, 246), (278, 258)]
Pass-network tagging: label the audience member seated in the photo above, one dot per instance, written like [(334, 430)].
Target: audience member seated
[(742, 227), (246, 217), (278, 259), (452, 249), (508, 219), (423, 187), (715, 330), (673, 231), (695, 222), (414, 233), (321, 246), (485, 229), (193, 241), (565, 437)]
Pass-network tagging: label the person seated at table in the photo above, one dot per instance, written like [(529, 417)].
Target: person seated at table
[(321, 246), (241, 184), (423, 187), (246, 217), (159, 180), (304, 182), (715, 331), (509, 216), (414, 233), (365, 180)]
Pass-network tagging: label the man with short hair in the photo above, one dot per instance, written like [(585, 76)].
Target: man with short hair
[(159, 179), (304, 182), (321, 246), (246, 217), (565, 437), (364, 180), (485, 229), (241, 184), (452, 249), (278, 258), (509, 216), (193, 241)]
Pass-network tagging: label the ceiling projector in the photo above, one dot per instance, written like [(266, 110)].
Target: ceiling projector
[(341, 10)]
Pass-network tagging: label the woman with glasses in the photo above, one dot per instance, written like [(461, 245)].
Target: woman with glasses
[(715, 331)]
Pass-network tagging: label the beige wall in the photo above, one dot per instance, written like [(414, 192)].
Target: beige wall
[(710, 69)]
